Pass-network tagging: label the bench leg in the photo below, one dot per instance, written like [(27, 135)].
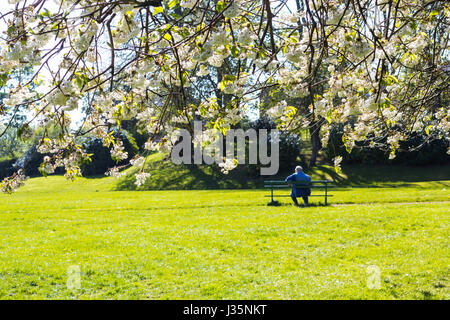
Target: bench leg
[(326, 193), (272, 202)]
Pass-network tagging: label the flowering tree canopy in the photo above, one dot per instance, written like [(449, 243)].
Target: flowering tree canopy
[(379, 67)]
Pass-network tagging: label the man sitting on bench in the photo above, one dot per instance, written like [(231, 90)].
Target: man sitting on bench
[(299, 176)]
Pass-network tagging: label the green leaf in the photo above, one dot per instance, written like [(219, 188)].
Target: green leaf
[(42, 171), (220, 6), (434, 13), (347, 148), (157, 10), (168, 37), (131, 140), (166, 26), (11, 29), (235, 51), (390, 79), (3, 79), (222, 85), (229, 77), (81, 79), (173, 3), (45, 13), (329, 116)]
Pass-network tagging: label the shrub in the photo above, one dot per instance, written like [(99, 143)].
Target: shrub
[(101, 159), (6, 168), (428, 152)]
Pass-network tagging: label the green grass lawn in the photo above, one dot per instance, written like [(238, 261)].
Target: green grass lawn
[(223, 244)]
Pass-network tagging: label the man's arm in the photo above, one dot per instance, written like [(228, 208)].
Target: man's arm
[(289, 180)]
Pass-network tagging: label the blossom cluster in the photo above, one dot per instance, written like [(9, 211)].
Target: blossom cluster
[(11, 184)]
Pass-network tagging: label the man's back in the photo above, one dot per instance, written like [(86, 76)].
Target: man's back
[(299, 176), (303, 192)]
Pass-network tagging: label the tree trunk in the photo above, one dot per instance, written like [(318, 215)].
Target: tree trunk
[(316, 144)]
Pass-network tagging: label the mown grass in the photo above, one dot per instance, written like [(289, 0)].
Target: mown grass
[(222, 244)]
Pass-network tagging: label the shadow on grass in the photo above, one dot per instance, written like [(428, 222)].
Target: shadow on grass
[(392, 175), (276, 203), (167, 176), (377, 175)]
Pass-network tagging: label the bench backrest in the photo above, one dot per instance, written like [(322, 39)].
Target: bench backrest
[(279, 183), (285, 182)]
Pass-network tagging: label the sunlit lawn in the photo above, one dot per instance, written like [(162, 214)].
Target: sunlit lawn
[(222, 244)]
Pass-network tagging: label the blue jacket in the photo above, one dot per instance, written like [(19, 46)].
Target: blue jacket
[(299, 192)]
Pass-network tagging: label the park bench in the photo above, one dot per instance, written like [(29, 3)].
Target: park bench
[(316, 184)]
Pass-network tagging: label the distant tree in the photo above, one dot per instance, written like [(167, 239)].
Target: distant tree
[(10, 145)]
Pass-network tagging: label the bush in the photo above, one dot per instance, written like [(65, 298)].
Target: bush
[(101, 159), (6, 168), (31, 161), (431, 152)]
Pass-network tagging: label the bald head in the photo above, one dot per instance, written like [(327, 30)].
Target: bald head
[(298, 169)]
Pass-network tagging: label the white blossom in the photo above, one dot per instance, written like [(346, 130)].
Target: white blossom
[(188, 3), (118, 152), (246, 37), (137, 161), (203, 71), (11, 184), (141, 177), (115, 173), (227, 165), (337, 163)]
